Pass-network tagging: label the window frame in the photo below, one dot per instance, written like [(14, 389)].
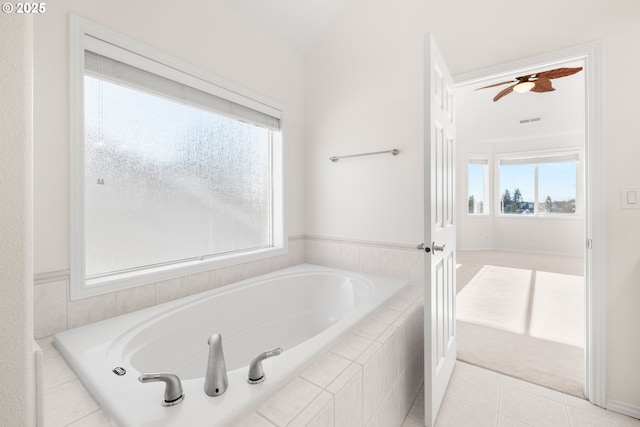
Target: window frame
[(83, 34), (486, 185), (578, 215)]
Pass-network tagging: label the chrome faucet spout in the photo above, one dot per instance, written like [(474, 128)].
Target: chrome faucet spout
[(215, 380)]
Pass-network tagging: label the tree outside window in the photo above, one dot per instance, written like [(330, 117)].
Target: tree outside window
[(539, 185)]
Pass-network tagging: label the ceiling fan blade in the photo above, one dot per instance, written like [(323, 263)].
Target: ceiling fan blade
[(543, 85), (496, 84), (503, 93), (557, 73)]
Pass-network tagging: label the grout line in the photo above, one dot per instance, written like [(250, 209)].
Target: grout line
[(257, 412), (61, 384), (471, 402), (362, 392), (309, 404), (413, 418), (317, 386), (499, 400), (323, 408), (85, 416), (566, 410), (259, 415), (517, 420)]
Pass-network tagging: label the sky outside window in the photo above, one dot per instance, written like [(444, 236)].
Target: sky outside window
[(557, 180), (476, 188), (556, 192)]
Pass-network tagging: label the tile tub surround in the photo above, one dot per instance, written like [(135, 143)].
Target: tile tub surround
[(369, 378), (54, 312), (380, 259)]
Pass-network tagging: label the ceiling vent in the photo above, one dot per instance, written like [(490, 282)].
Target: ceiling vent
[(530, 120)]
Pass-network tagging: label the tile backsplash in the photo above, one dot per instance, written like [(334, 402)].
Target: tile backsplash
[(396, 261)]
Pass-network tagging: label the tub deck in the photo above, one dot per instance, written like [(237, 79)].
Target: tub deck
[(158, 338)]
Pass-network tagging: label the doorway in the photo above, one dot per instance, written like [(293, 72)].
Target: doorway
[(590, 243)]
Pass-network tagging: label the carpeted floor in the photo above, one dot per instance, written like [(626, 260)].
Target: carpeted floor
[(523, 315)]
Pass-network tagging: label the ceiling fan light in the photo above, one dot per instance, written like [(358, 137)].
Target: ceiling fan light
[(524, 87)]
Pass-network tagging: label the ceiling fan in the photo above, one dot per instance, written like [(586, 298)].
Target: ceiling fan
[(536, 82)]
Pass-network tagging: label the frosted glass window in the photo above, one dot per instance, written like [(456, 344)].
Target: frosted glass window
[(168, 182), (174, 171)]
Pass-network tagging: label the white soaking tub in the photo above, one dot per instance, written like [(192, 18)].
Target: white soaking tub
[(303, 309)]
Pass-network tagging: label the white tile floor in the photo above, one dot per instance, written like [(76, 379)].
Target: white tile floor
[(477, 397)]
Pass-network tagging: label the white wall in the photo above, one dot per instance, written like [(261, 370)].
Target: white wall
[(562, 236), (17, 394), (209, 35), (364, 92)]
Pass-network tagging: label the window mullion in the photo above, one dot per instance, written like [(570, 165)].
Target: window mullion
[(535, 190)]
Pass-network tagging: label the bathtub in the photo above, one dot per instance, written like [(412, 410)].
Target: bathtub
[(303, 309)]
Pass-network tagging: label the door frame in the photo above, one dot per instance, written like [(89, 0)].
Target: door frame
[(595, 198)]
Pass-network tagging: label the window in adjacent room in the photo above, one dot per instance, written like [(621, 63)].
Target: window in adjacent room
[(477, 185), (541, 184), (173, 174)]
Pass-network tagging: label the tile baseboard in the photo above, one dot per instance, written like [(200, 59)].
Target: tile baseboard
[(623, 408)]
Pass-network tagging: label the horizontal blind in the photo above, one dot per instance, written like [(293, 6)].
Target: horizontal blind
[(572, 156), (478, 161), (118, 72)]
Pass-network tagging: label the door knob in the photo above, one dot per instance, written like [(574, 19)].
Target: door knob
[(422, 248), (437, 248)]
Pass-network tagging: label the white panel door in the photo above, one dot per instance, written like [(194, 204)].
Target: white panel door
[(440, 231)]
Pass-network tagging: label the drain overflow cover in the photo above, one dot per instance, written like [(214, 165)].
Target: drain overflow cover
[(119, 370)]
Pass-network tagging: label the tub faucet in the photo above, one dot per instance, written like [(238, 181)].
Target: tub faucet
[(173, 393), (256, 372), (215, 380)]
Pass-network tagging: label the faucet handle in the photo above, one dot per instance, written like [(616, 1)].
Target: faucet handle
[(173, 393), (256, 373)]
